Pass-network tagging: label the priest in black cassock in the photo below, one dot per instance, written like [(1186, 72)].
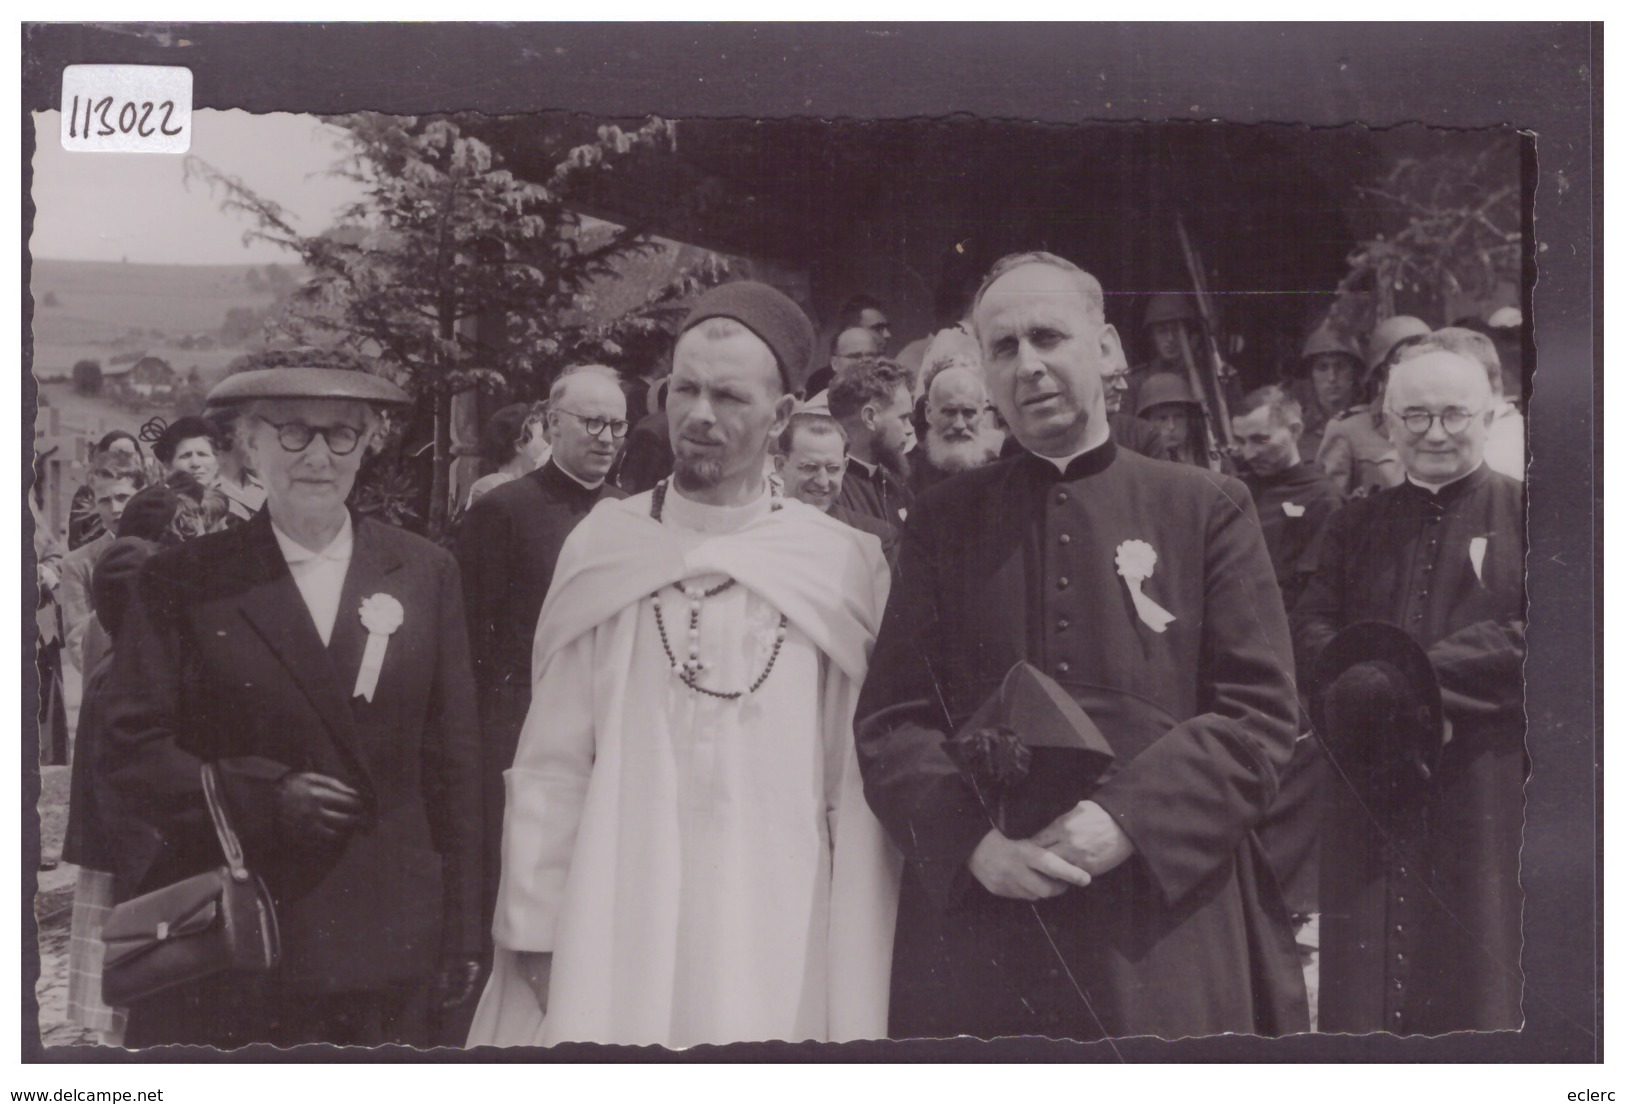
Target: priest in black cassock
[(1141, 904), (1421, 908), (1294, 498), (507, 548), (870, 397)]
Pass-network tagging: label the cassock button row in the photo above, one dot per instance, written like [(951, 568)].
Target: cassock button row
[(1062, 583), (1062, 625), (1061, 496), (1399, 929), (1063, 667), (1066, 538)]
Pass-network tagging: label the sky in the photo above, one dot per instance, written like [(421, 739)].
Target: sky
[(134, 206)]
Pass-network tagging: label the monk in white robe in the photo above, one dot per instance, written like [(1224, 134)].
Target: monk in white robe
[(687, 854)]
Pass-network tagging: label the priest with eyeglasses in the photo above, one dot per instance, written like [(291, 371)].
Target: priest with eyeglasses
[(507, 546), (1421, 926), (687, 857)]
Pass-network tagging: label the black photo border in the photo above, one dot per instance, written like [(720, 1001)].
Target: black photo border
[(1544, 79)]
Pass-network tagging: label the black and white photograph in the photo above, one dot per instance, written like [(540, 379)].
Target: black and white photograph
[(595, 565)]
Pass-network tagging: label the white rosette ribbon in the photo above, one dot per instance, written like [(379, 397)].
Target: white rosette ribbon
[(1136, 560), (381, 615)]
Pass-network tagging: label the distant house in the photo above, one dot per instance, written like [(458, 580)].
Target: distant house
[(150, 379)]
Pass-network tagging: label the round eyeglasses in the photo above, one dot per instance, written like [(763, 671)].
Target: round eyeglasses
[(296, 436), (595, 426), (1420, 422)]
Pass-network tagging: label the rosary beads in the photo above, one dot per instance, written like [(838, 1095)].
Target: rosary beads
[(688, 671)]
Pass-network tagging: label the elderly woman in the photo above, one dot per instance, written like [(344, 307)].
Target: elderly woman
[(514, 445), (187, 445), (318, 661)]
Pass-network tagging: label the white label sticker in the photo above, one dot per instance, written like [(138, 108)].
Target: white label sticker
[(127, 108)]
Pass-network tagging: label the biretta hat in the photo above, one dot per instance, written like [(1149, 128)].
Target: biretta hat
[(1042, 713), (1375, 699), (307, 383), (769, 314), (1033, 748)]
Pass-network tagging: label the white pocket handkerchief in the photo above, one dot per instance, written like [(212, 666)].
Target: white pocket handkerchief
[(1475, 552)]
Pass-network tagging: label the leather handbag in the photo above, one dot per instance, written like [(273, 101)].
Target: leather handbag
[(221, 922)]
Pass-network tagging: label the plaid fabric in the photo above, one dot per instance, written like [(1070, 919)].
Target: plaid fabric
[(92, 901)]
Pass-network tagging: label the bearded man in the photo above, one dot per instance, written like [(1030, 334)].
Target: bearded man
[(1136, 903), (687, 856), (959, 432), (872, 401)]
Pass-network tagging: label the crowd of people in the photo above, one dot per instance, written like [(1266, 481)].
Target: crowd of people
[(969, 690)]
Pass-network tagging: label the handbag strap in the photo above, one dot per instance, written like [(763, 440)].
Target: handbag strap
[(229, 844)]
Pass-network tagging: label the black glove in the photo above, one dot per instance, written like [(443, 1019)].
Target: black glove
[(315, 811), (455, 981)]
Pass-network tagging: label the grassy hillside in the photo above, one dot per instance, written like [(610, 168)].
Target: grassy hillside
[(101, 309)]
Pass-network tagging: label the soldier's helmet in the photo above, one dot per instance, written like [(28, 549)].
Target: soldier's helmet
[(1163, 388), (1328, 338), (1389, 333), (1169, 306)]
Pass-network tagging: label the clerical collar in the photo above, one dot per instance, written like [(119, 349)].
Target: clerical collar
[(868, 468), (1086, 461), (574, 478), (1435, 488), (685, 513)]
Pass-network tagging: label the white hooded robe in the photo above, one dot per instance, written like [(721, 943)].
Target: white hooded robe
[(703, 871)]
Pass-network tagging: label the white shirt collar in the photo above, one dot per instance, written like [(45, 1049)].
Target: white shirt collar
[(1435, 488), (337, 551), (574, 477)]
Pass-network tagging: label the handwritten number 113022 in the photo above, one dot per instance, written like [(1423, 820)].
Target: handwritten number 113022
[(132, 118)]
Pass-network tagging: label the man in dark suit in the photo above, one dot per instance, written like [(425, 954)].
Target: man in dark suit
[(508, 546), (319, 659), (812, 462), (871, 400), (1138, 903)]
